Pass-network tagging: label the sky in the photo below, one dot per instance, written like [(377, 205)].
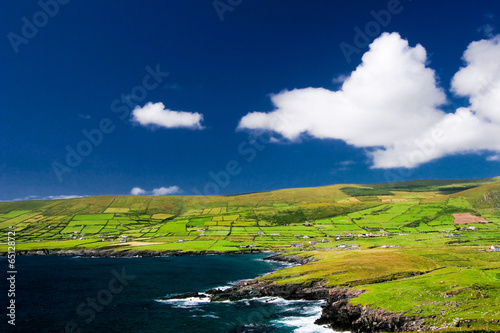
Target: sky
[(204, 97)]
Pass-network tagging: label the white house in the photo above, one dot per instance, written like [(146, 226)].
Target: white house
[(495, 248)]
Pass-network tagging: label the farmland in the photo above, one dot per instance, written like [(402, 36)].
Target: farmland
[(416, 247)]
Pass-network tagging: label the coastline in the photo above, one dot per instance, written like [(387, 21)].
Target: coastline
[(126, 253), (337, 314)]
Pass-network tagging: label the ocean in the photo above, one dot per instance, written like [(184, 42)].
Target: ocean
[(77, 294)]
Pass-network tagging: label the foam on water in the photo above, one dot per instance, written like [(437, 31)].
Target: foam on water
[(185, 303)]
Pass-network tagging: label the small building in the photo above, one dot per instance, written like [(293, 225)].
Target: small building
[(342, 246), (403, 234), (124, 239), (325, 240), (495, 248), (473, 228), (384, 246), (253, 245), (275, 235), (297, 245), (297, 235), (305, 237), (181, 240), (260, 233), (354, 245)]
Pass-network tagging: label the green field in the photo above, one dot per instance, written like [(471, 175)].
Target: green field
[(397, 241)]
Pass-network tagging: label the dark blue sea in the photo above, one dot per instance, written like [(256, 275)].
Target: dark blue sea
[(76, 294)]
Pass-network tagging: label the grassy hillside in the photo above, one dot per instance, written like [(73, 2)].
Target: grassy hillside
[(397, 241), (419, 210)]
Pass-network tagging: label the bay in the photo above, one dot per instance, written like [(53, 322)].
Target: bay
[(77, 294)]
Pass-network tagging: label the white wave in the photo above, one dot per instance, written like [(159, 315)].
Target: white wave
[(185, 303), (207, 316), (228, 285), (303, 322)]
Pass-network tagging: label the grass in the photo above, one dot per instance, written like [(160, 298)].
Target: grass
[(427, 266)]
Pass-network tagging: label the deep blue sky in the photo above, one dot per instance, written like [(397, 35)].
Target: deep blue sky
[(64, 79)]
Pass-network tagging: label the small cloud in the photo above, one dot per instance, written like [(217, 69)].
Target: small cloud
[(49, 197), (346, 163), (274, 140), (84, 116), (166, 190), (342, 166), (493, 158), (137, 191), (340, 79), (488, 30), (157, 191), (155, 114)]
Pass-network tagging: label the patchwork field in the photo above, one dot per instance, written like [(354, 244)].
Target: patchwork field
[(416, 247)]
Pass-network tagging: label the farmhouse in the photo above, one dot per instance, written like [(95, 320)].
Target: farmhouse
[(495, 248), (297, 245)]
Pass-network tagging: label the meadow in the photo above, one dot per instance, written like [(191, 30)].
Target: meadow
[(396, 241)]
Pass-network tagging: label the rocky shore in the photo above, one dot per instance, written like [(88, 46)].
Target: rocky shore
[(340, 315), (337, 314)]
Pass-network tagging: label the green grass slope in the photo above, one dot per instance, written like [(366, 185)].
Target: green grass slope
[(397, 241)]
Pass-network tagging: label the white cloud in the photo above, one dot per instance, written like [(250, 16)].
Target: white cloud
[(493, 158), (390, 105), (166, 190), (137, 191), (49, 197), (157, 191), (155, 114)]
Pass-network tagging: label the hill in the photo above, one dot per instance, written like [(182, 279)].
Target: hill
[(225, 223), (398, 243)]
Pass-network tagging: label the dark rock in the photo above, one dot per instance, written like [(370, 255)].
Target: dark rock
[(340, 315), (292, 259), (189, 295), (256, 288)]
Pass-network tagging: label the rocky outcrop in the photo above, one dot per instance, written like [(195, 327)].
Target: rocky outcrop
[(258, 288), (189, 295), (292, 259), (339, 314)]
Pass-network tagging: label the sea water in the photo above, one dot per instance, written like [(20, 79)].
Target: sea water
[(77, 294)]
